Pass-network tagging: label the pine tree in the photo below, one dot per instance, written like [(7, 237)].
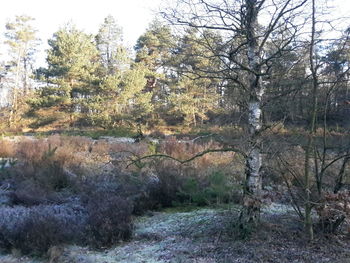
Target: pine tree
[(154, 51), (71, 75), (193, 96)]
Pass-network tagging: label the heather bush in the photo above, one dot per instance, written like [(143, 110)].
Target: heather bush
[(137, 188), (170, 180), (5, 197), (109, 219), (201, 166), (136, 149), (31, 153), (52, 176), (141, 189), (102, 220), (28, 193), (90, 186), (78, 143), (109, 211), (34, 230)]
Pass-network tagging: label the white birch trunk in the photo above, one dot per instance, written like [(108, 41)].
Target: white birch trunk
[(15, 90), (252, 191)]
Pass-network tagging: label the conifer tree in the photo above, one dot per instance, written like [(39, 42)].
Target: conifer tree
[(193, 96), (71, 75), (154, 51)]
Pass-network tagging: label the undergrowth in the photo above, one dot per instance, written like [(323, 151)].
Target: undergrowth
[(73, 189)]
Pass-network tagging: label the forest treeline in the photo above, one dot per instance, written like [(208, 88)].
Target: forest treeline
[(172, 77)]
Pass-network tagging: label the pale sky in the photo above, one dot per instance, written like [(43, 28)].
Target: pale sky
[(132, 15)]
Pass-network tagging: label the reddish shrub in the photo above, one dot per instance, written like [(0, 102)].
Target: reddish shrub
[(7, 148)]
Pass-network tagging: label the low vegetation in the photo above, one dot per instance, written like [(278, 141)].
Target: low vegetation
[(78, 190)]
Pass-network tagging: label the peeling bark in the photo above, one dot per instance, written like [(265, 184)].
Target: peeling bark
[(254, 117)]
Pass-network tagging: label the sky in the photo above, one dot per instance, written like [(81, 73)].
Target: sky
[(132, 15)]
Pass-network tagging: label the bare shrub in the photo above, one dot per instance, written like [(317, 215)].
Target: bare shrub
[(334, 211)]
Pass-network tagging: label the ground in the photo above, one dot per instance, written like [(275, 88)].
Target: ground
[(207, 236)]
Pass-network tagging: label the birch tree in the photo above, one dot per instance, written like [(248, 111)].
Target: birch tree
[(109, 40), (21, 41), (246, 26)]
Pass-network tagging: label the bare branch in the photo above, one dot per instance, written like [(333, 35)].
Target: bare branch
[(152, 156)]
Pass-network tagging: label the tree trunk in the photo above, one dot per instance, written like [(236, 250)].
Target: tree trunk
[(15, 90), (308, 225), (250, 213), (340, 178)]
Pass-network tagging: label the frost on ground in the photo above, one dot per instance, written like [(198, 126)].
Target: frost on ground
[(200, 236)]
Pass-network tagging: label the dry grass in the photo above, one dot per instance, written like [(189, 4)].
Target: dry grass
[(186, 149), (7, 149), (76, 152)]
